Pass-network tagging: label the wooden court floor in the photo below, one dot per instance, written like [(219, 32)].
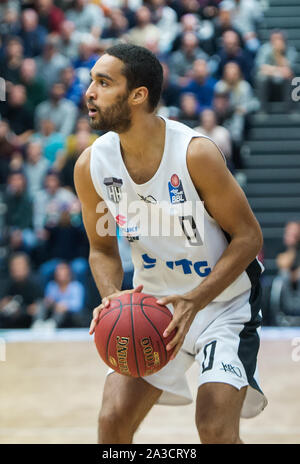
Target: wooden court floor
[(50, 392)]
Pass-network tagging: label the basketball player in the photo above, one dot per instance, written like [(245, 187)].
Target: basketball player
[(208, 279)]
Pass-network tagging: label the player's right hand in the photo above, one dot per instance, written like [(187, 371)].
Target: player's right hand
[(105, 303)]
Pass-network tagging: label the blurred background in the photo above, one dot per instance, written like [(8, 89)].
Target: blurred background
[(231, 71)]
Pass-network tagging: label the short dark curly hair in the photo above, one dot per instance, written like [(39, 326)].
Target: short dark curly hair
[(141, 68)]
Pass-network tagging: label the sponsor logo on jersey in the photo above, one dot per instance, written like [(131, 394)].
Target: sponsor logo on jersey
[(148, 199), (231, 369), (121, 220), (132, 238), (176, 190), (201, 268), (113, 186)]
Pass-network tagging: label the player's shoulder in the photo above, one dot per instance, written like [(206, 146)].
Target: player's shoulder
[(106, 140), (203, 149), (83, 162)]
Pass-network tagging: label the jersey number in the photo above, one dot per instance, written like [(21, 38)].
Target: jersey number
[(209, 353), (190, 230)]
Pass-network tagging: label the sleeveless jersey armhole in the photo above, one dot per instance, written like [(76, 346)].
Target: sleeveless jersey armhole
[(188, 176), (93, 170)]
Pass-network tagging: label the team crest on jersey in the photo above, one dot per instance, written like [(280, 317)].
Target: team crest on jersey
[(176, 190), (113, 186)]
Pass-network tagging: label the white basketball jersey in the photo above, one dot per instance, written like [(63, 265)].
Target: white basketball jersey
[(174, 242)]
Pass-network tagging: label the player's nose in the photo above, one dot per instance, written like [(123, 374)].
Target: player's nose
[(90, 93)]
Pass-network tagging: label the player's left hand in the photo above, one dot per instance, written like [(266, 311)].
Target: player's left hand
[(184, 314)]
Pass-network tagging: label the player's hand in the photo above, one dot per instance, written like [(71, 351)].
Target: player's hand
[(105, 303), (184, 314)]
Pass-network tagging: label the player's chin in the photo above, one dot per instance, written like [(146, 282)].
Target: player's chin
[(94, 122)]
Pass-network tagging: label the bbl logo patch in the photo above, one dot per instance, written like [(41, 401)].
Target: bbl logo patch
[(176, 190), (113, 186)]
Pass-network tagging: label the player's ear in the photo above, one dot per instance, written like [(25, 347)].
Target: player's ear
[(139, 95)]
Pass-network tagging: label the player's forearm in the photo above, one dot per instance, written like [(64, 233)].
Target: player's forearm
[(107, 272), (238, 255)]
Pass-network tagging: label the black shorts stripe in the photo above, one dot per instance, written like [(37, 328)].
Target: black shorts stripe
[(249, 338)]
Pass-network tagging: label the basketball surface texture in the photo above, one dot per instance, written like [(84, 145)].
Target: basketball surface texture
[(129, 335)]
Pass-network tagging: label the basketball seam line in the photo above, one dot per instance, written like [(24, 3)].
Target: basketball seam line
[(151, 306), (133, 337), (108, 340), (163, 344), (108, 312)]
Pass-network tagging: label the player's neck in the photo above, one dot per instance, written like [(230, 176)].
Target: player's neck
[(146, 135)]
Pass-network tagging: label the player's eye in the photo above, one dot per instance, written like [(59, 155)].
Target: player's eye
[(103, 83)]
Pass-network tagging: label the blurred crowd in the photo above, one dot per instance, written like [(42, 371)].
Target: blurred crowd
[(216, 74)]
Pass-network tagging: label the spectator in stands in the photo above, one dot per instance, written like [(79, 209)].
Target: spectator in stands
[(245, 15), (64, 299), (10, 63), (170, 90), (187, 6), (231, 50), (145, 31), (222, 23), (86, 59), (203, 29), (285, 260), (50, 15), (74, 88), (87, 17), (9, 20), (18, 114), (201, 84), (35, 88), (35, 167), (19, 212), (51, 62), (189, 111), (32, 34), (50, 202), (66, 241), (241, 93), (53, 142), (181, 62), (118, 25), (288, 264), (275, 63), (241, 98), (75, 144), (188, 23), (6, 150), (165, 19), (69, 40), (219, 134), (62, 112), (21, 295), (227, 117)]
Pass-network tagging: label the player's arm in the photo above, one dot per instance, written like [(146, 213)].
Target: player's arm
[(226, 203), (104, 258)]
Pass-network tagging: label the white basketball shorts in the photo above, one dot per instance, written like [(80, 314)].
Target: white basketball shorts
[(224, 340)]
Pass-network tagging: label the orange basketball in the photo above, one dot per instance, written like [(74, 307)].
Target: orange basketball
[(129, 335)]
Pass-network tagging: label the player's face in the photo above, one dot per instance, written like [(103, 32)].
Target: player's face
[(107, 96)]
